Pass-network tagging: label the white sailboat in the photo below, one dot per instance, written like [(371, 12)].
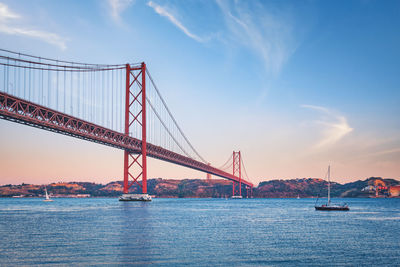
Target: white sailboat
[(47, 195), (330, 206)]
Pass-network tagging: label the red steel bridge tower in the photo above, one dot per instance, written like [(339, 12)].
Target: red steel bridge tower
[(237, 171), (135, 165), (208, 177)]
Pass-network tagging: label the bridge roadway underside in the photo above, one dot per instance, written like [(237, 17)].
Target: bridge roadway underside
[(25, 112)]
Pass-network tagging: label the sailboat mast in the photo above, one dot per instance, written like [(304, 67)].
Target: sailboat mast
[(329, 185)]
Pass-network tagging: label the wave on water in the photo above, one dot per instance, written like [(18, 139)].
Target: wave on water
[(380, 218)]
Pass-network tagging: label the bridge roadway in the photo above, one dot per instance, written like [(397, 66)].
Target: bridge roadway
[(25, 112)]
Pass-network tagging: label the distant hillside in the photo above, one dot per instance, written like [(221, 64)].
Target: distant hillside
[(216, 188), (312, 187)]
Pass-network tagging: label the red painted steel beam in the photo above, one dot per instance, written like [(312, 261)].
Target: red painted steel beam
[(126, 153), (240, 174), (144, 138), (25, 112)]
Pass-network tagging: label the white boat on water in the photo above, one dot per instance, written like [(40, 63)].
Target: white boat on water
[(237, 197), (47, 195), (135, 197)]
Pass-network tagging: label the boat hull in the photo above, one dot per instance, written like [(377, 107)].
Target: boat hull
[(343, 208), (135, 197)]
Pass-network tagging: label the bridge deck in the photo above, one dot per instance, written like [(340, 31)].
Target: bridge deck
[(25, 112)]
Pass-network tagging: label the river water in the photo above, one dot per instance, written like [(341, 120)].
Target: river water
[(198, 232)]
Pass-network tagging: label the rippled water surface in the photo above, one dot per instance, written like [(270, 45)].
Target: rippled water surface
[(198, 232)]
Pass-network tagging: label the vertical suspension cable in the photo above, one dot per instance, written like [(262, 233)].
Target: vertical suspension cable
[(95, 98), (91, 96), (95, 86), (121, 98), (88, 99), (64, 90), (84, 98), (4, 77), (57, 89), (117, 109), (78, 95), (41, 86), (15, 89), (34, 85), (24, 96), (48, 89), (6, 83), (122, 109), (112, 99), (106, 100), (71, 92), (103, 111), (19, 76), (108, 113), (29, 84)]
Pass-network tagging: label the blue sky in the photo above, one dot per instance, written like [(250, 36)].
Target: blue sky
[(294, 85)]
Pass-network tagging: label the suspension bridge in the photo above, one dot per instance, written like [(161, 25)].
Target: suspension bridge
[(115, 105)]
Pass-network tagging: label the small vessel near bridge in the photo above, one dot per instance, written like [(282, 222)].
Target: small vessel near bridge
[(47, 195), (135, 197)]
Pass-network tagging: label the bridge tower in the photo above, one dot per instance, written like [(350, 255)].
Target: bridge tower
[(135, 163), (237, 171), (208, 177)]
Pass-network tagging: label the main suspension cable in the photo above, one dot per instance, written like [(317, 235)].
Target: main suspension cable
[(63, 61), (244, 167), (223, 165), (173, 119), (166, 128)]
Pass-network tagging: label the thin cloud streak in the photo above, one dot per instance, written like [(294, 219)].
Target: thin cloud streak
[(164, 13), (267, 35), (6, 15), (117, 7), (381, 153), (335, 126)]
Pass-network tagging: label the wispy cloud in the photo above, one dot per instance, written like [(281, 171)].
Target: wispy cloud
[(117, 7), (268, 35), (162, 11), (8, 19), (335, 126), (374, 156), (6, 13)]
